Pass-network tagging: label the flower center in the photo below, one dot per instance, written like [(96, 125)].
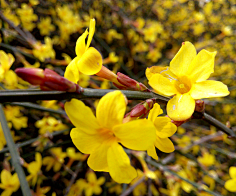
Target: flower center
[(183, 84), (106, 133)]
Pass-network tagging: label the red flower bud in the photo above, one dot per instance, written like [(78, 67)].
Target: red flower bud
[(48, 80), (34, 76), (131, 83), (199, 106)]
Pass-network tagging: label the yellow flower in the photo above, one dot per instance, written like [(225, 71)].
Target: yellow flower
[(56, 160), (43, 51), (100, 137), (14, 115), (230, 185), (34, 168), (207, 159), (164, 129), (186, 79), (88, 59), (6, 61), (93, 185), (45, 26), (9, 182)]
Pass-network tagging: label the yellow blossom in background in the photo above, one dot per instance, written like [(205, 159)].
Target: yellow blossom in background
[(34, 168), (100, 136), (49, 125), (78, 187), (56, 160), (112, 34), (186, 79), (15, 117), (114, 187), (93, 184), (11, 16), (6, 61), (230, 185), (164, 129), (2, 138), (10, 183), (88, 59), (44, 51), (45, 26), (207, 159), (27, 16)]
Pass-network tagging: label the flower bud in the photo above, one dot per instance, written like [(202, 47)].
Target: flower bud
[(141, 110), (131, 83), (47, 79), (199, 106), (34, 76)]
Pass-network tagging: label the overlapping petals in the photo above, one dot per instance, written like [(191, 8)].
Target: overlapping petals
[(88, 60), (100, 137), (164, 129), (186, 79)]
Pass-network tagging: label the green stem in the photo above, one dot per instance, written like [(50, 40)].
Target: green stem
[(14, 154), (28, 142), (38, 107), (34, 95), (163, 168)]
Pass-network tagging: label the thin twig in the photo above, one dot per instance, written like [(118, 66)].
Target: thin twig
[(28, 142), (201, 140), (38, 107), (74, 176), (33, 95), (14, 155), (131, 188), (163, 168)]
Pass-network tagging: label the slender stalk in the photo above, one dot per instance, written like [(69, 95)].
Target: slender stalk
[(163, 168), (28, 142), (38, 107), (131, 188), (14, 155), (33, 95)]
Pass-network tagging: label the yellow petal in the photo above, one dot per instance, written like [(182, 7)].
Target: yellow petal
[(111, 109), (91, 177), (80, 44), (91, 62), (180, 107), (5, 177), (209, 88), (180, 63), (38, 158), (164, 145), (230, 185), (162, 85), (202, 66), (101, 180), (98, 159), (136, 135), (91, 32), (81, 116), (154, 112), (72, 71), (86, 143), (151, 151), (232, 172), (164, 127), (150, 71), (119, 165)]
